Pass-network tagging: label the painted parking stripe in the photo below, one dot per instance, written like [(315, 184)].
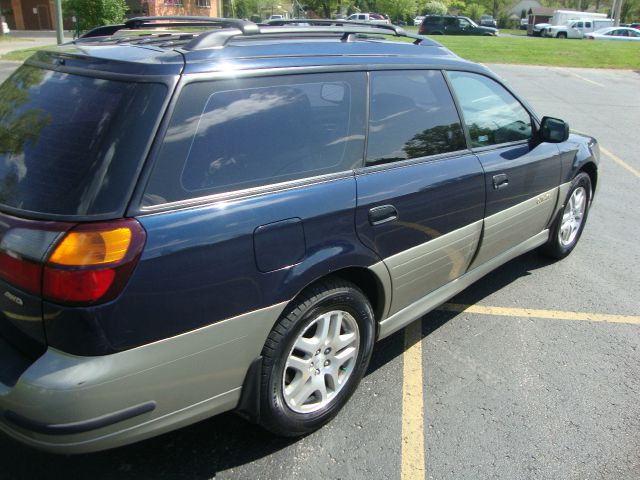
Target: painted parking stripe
[(412, 467), (574, 74), (620, 162), (533, 313), (413, 460)]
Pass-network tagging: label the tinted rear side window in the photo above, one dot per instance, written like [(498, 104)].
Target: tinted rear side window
[(233, 135), (412, 115), (71, 145)]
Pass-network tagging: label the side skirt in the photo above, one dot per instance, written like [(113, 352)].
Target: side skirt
[(444, 293)]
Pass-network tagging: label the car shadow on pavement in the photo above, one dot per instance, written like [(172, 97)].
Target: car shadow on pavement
[(393, 346), (197, 452), (224, 442)]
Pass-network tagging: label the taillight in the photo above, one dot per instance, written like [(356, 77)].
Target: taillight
[(22, 273), (92, 262), (421, 30)]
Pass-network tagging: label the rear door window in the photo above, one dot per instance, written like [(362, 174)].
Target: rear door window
[(72, 145), (411, 115), (232, 135)]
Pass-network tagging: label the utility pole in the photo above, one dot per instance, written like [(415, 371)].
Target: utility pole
[(58, 13), (616, 12)]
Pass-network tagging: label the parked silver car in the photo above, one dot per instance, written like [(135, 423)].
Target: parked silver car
[(615, 33)]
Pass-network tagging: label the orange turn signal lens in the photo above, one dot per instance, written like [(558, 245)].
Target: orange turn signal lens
[(92, 248)]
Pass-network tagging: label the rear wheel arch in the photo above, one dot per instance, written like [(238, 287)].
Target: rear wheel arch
[(371, 286), (363, 278)]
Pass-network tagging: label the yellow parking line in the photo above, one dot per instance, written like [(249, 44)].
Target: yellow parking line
[(413, 462), (532, 313), (619, 161), (412, 467), (583, 78)]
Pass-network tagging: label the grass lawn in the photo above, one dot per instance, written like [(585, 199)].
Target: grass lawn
[(517, 50), (542, 51), (546, 51), (21, 55)]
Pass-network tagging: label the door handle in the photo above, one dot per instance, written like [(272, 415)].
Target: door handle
[(500, 181), (382, 214)]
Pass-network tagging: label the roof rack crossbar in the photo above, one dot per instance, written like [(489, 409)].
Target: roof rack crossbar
[(219, 38), (138, 23), (229, 28)]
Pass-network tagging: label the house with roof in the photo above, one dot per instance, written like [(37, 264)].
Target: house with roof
[(522, 6)]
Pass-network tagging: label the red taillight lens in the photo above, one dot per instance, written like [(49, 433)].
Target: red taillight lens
[(21, 273), (421, 30), (77, 285), (92, 262)]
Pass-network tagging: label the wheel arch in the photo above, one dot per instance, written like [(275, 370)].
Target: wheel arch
[(370, 281), (591, 170), (372, 287)]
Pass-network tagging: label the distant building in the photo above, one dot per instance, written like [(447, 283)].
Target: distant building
[(522, 5), (538, 15), (28, 14), (39, 14), (200, 8)]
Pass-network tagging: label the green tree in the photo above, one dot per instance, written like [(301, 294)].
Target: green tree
[(630, 11), (95, 13), (457, 6), (18, 126), (433, 7), (474, 11), (397, 9)]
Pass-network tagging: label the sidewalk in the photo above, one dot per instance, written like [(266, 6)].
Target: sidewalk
[(20, 39)]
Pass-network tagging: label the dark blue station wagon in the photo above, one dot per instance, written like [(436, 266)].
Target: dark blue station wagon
[(192, 223)]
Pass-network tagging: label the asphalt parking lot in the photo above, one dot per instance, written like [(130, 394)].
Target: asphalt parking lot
[(532, 373)]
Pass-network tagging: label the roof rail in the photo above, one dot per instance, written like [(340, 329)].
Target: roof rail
[(306, 27), (137, 23)]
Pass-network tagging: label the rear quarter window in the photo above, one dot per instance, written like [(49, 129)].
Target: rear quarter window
[(232, 135)]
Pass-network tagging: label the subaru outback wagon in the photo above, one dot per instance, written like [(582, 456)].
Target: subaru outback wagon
[(198, 222)]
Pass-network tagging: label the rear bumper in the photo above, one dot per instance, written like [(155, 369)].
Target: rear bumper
[(70, 404)]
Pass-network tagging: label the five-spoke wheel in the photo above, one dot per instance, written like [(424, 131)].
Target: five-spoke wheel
[(569, 223), (315, 357)]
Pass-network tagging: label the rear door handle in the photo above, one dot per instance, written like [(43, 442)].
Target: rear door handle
[(500, 181), (382, 214)]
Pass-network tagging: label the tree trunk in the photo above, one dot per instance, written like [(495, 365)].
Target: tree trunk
[(616, 13)]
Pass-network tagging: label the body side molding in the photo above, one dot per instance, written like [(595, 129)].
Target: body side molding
[(444, 293)]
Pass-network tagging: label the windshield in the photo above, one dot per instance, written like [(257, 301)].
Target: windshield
[(473, 24), (72, 145)]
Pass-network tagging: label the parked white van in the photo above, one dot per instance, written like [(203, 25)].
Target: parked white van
[(578, 28), (562, 17)]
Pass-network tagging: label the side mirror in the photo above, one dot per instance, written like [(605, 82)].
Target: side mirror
[(553, 130)]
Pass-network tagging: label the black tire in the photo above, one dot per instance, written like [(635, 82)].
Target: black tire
[(556, 246), (562, 35), (332, 295)]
